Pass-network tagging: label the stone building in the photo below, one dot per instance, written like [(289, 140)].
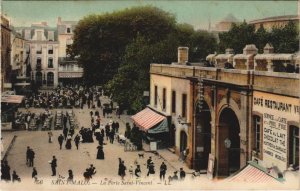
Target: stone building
[(68, 70), (5, 54), (225, 24), (277, 21), (235, 115), (42, 52)]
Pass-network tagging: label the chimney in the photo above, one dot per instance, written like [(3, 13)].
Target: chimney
[(268, 49), (183, 55), (250, 49), (58, 20), (229, 51)]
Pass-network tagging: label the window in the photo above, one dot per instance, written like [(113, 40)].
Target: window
[(68, 30), (50, 79), (173, 102), (164, 99), (50, 49), (257, 133), (183, 107), (50, 63), (39, 49), (38, 63), (155, 95), (294, 146), (51, 35)]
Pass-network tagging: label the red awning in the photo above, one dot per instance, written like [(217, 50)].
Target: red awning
[(147, 118), (11, 99), (251, 174)]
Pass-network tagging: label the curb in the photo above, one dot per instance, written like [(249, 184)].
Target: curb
[(9, 147)]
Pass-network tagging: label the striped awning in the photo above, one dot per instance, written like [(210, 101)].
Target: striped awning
[(251, 174), (147, 118)]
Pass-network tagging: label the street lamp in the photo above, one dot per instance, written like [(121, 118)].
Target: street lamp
[(182, 121), (227, 143)]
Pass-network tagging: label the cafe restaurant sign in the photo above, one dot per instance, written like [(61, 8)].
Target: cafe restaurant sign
[(276, 111)]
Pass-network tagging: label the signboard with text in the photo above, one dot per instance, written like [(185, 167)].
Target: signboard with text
[(275, 111)]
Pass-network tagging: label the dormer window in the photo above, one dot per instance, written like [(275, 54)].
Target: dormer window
[(68, 30)]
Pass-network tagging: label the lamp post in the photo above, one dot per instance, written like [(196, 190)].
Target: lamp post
[(227, 143)]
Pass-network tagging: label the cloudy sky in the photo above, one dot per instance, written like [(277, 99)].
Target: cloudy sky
[(195, 12)]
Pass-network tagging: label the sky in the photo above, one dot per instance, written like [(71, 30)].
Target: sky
[(195, 12)]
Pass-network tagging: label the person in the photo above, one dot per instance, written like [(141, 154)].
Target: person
[(60, 140), (130, 171), (91, 113), (31, 157), (87, 175), (182, 174), (122, 170), (68, 143), (117, 127), (137, 171), (92, 170), (65, 132), (70, 178), (27, 155), (151, 169), (149, 161), (77, 140), (53, 166), (163, 170), (100, 153), (111, 136), (15, 177), (34, 173), (5, 171), (175, 177), (50, 136)]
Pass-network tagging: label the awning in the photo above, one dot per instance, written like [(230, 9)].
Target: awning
[(251, 174), (162, 127), (147, 119), (11, 99)]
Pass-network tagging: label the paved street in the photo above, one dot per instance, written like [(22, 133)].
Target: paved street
[(79, 160)]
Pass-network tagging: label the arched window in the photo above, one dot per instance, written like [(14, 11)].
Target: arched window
[(39, 78), (50, 79)]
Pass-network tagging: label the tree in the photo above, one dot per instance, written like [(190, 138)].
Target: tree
[(262, 38), (100, 40)]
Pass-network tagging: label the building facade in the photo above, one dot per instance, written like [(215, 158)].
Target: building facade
[(42, 53), (236, 115), (274, 22), (5, 54), (69, 72)]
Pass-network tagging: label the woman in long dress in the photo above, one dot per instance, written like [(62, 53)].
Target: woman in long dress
[(68, 143), (100, 153)]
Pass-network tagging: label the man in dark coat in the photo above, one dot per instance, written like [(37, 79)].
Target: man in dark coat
[(60, 140), (53, 166), (182, 174), (117, 127), (77, 140), (34, 173), (27, 155), (31, 157), (65, 132), (163, 170)]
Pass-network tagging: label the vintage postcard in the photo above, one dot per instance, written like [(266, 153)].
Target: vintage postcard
[(150, 95)]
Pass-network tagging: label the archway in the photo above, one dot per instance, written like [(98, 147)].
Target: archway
[(50, 79), (229, 129), (39, 78), (183, 141), (203, 136)]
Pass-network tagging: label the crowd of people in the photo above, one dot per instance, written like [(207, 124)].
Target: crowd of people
[(65, 97)]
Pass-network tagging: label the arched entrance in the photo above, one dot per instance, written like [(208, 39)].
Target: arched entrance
[(203, 136), (229, 129), (50, 79), (183, 141), (39, 78)]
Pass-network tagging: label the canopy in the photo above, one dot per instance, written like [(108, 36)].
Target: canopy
[(147, 119), (251, 174), (160, 128), (11, 99)]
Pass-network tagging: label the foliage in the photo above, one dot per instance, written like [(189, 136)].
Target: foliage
[(284, 39), (136, 137)]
